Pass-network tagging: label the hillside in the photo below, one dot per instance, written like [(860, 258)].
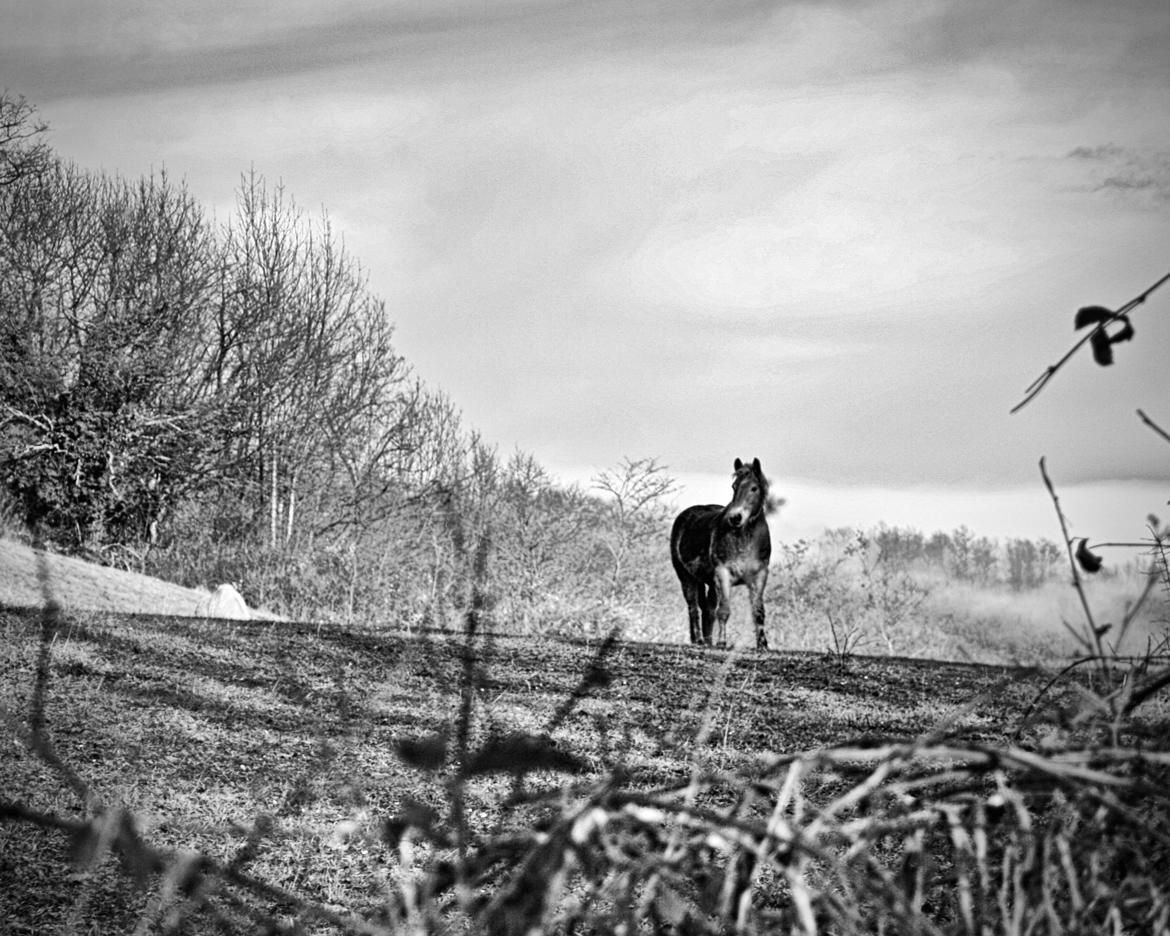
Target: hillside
[(28, 577)]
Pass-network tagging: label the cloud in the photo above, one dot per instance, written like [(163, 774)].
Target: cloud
[(64, 47), (842, 234), (1106, 151), (1138, 177)]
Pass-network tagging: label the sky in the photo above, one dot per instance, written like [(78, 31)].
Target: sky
[(839, 236)]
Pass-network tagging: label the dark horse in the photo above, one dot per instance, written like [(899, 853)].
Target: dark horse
[(714, 548)]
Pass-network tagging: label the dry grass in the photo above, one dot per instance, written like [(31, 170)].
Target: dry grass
[(995, 624), (215, 735), (29, 577)]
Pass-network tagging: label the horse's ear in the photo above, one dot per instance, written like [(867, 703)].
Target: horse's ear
[(738, 464), (756, 466)]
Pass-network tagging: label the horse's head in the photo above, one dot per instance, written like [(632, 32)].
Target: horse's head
[(749, 495)]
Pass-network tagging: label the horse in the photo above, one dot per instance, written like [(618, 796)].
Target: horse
[(714, 548)]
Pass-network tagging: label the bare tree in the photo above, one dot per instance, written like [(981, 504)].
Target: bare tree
[(325, 399), (539, 531), (637, 489), (23, 150)]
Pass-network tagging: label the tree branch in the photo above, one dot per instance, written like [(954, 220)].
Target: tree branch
[(43, 423), (1153, 425), (1095, 642), (1040, 382)]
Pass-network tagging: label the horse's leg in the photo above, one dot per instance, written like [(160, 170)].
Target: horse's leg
[(723, 603), (693, 593), (756, 588), (707, 602)]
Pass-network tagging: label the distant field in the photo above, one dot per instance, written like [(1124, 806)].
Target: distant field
[(956, 620), (996, 624)]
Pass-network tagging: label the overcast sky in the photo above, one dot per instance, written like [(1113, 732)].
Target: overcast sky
[(842, 237)]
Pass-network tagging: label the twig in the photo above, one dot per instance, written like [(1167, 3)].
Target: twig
[(1156, 683), (1153, 425), (1040, 382), (1077, 583)]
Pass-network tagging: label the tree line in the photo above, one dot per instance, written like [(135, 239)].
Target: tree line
[(961, 555), (223, 401)]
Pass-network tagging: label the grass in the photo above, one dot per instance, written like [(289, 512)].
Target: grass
[(199, 728), (958, 620), (276, 751), (996, 624), (28, 577)]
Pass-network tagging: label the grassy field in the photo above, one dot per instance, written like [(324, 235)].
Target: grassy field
[(29, 577), (175, 774)]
